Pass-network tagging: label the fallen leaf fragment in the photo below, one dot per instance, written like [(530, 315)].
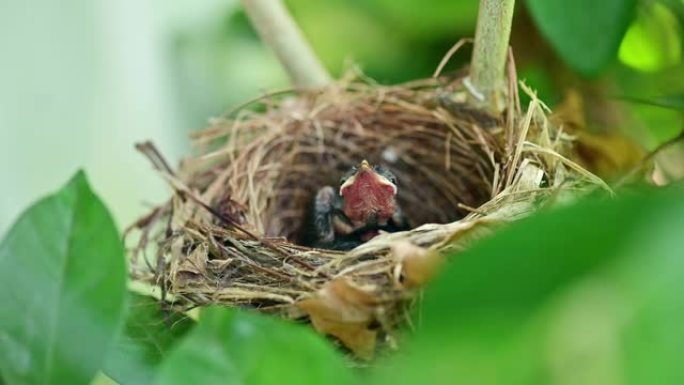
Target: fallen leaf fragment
[(344, 311), (417, 265)]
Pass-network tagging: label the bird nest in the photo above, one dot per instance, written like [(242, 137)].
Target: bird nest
[(236, 230)]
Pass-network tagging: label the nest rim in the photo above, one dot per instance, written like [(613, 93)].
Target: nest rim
[(218, 250)]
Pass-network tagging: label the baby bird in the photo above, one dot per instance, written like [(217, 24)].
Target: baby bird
[(363, 205)]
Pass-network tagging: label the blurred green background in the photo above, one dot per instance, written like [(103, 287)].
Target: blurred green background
[(81, 81)]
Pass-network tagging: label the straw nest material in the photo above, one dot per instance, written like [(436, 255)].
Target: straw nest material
[(235, 231)]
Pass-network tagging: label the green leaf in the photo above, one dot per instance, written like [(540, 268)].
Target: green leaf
[(236, 347), (148, 335), (653, 41), (672, 102), (62, 279), (585, 295), (586, 34), (676, 7)]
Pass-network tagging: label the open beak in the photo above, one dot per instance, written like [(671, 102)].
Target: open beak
[(365, 171)]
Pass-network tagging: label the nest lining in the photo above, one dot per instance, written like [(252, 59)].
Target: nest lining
[(235, 231)]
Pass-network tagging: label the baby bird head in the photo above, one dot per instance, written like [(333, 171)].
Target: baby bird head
[(368, 193)]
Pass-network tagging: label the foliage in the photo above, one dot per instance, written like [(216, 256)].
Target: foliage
[(652, 43), (234, 347), (149, 333), (62, 280), (585, 33), (591, 301), (582, 294), (674, 102)]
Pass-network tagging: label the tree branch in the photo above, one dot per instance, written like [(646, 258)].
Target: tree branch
[(278, 30), (489, 53)]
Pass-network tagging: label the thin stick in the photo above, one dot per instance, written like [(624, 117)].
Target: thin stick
[(229, 222), (489, 53), (148, 149), (452, 51), (646, 159), (278, 30)]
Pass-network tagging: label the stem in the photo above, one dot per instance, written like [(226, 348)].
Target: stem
[(490, 51), (278, 30)]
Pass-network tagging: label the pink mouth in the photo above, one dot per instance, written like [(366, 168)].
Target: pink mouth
[(368, 195)]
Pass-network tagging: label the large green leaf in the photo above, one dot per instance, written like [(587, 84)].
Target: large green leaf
[(148, 335), (584, 295), (653, 41), (585, 33), (62, 280), (236, 347), (673, 102)]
